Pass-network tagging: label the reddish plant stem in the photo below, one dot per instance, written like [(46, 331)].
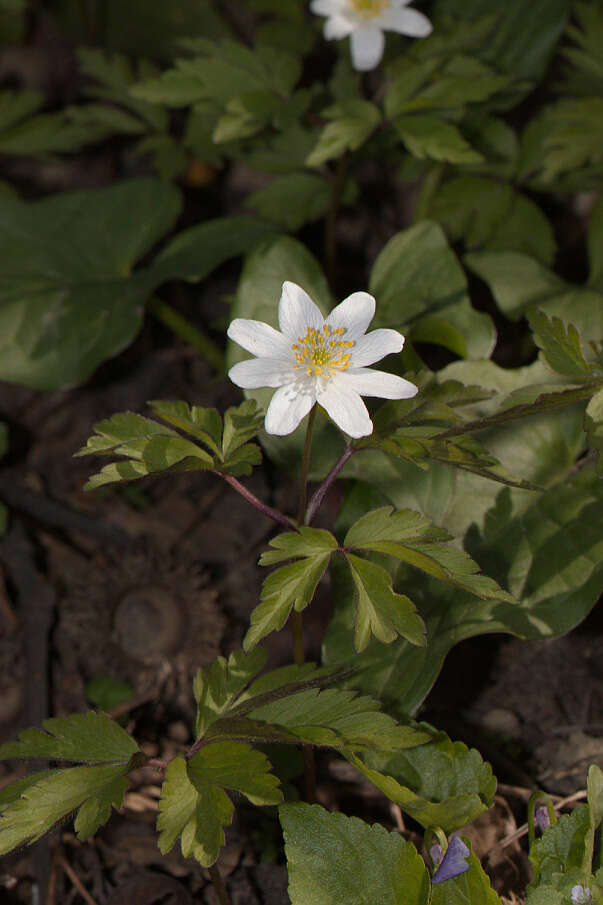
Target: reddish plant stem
[(320, 492), (268, 511)]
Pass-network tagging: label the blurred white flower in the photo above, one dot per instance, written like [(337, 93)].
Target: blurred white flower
[(365, 21), (581, 895), (316, 360)]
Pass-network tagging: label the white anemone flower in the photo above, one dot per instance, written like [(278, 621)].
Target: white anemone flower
[(316, 360), (364, 21)]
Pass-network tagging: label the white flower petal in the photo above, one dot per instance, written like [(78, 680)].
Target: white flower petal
[(354, 314), (326, 7), (337, 27), (297, 312), (374, 346), (368, 382), (367, 47), (260, 372), (406, 21), (345, 407), (259, 338), (287, 408)]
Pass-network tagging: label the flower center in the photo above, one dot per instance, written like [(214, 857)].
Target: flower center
[(368, 9), (321, 353)]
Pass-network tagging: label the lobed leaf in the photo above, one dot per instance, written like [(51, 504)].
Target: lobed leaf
[(440, 783), (203, 423), (287, 587), (438, 559), (431, 137), (90, 737), (352, 122), (380, 611), (54, 795), (560, 345), (338, 718), (194, 805), (305, 542), (217, 686)]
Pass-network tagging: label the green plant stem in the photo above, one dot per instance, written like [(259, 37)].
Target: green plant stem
[(330, 245), (428, 189), (183, 328), (218, 884), (266, 510)]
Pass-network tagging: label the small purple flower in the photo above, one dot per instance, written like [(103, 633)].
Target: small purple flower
[(581, 895), (454, 861), (542, 818)]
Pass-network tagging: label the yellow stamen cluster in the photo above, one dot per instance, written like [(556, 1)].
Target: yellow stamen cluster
[(321, 353), (367, 9)]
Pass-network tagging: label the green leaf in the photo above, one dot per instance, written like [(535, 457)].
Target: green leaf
[(440, 560), (523, 39), (465, 453), (204, 424), (153, 447), (290, 705), (547, 548), (337, 718), (429, 84), (193, 253), (416, 275), (387, 524), (14, 790), (113, 74), (220, 71), (564, 846), (90, 738), (469, 888), (489, 214), (241, 423), (44, 133), (287, 587), (43, 803), (106, 693), (515, 280), (69, 300), (237, 767), (441, 783), (194, 804), (123, 431), (218, 685), (299, 544), (245, 115), (428, 136), (291, 200), (574, 136), (560, 345), (352, 122), (332, 858), (379, 610)]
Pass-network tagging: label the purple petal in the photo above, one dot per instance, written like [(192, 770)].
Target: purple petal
[(453, 863), (542, 818)]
